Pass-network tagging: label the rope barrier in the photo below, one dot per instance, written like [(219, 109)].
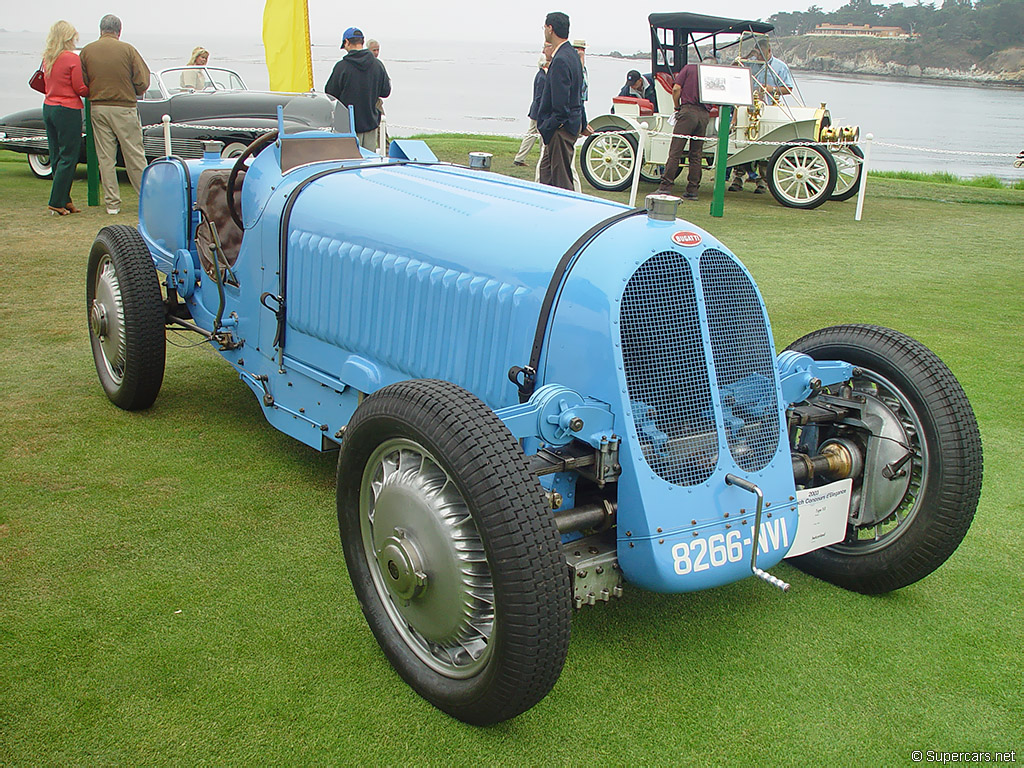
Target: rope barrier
[(1018, 160)]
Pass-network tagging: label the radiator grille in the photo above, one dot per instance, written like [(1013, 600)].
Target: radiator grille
[(666, 371), (34, 138), (743, 358)]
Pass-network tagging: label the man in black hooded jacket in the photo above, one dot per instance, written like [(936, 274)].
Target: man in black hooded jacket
[(358, 80)]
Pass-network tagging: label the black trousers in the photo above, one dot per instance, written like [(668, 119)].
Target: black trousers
[(691, 120)]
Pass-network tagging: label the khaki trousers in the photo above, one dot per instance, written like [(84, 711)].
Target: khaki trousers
[(113, 126), (532, 134), (556, 162), (368, 139)]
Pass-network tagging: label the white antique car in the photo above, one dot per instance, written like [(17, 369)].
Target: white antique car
[(800, 174)]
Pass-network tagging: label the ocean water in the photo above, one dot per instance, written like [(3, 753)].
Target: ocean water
[(486, 88)]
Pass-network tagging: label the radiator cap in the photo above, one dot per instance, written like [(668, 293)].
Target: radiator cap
[(662, 207), (480, 161)]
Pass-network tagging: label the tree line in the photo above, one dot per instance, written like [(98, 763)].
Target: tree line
[(983, 26)]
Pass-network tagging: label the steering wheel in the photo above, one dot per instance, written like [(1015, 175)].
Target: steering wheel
[(240, 164)]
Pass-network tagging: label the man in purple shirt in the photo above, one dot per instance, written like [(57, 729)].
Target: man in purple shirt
[(691, 120)]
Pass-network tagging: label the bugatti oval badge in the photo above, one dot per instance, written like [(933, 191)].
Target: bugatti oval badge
[(686, 239)]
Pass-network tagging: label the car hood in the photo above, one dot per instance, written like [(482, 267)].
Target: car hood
[(27, 118)]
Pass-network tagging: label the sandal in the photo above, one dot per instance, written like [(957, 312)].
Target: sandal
[(58, 211), (70, 208)]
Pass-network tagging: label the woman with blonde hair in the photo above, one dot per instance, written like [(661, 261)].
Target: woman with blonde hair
[(194, 79), (62, 112)]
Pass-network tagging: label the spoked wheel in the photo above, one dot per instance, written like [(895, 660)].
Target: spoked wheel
[(126, 318), (848, 171), (801, 175), (453, 555), (652, 172), (609, 159), (40, 166), (916, 496)]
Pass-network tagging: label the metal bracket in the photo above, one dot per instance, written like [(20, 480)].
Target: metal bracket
[(601, 465), (595, 570), (557, 415), (746, 485), (801, 375)]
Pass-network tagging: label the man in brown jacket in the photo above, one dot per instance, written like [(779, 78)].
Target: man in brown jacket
[(116, 76)]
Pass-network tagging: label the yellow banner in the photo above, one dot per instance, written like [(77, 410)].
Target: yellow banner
[(286, 43)]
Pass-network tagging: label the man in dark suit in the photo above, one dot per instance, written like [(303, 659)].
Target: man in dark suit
[(560, 117)]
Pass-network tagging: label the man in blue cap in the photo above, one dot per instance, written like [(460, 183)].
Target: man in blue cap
[(359, 80)]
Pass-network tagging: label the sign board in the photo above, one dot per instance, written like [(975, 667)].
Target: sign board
[(823, 514), (725, 85)]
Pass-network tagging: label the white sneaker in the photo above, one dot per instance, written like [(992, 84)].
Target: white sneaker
[(113, 211)]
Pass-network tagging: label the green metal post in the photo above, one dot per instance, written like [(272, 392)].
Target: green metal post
[(724, 123), (91, 164)]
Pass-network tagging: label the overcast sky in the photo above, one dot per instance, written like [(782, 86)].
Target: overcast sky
[(605, 24)]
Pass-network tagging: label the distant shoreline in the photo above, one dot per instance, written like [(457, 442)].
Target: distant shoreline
[(954, 76)]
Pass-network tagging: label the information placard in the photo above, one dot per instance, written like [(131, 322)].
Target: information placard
[(823, 514), (725, 85)]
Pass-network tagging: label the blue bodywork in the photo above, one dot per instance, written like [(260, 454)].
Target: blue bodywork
[(406, 268)]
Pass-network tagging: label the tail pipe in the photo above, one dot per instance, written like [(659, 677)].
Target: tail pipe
[(746, 485)]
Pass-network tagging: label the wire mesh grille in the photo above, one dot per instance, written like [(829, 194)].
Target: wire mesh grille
[(666, 371), (744, 360)]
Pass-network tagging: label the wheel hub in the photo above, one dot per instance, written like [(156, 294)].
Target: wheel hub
[(426, 558), (402, 566), (98, 320), (106, 319), (895, 464)]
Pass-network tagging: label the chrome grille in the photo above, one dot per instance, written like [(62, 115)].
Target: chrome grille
[(34, 138), (744, 360), (666, 371), (186, 148)]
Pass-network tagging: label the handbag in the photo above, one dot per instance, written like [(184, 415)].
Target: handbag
[(38, 80)]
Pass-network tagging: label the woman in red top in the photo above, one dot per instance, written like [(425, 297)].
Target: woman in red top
[(62, 112)]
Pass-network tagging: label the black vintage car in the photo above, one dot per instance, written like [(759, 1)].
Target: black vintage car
[(204, 103)]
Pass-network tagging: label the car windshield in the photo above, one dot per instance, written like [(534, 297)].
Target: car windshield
[(197, 80)]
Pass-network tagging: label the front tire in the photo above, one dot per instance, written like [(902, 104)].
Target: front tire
[(917, 497), (126, 318), (801, 175), (452, 552), (40, 166), (608, 159), (849, 168)]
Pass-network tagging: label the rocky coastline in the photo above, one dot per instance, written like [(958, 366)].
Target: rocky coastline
[(899, 59), (906, 60)]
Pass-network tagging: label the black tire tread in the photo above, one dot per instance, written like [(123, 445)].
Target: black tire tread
[(144, 317), (839, 197), (955, 449), (532, 590)]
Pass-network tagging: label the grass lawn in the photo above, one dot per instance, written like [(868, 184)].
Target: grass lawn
[(172, 588)]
